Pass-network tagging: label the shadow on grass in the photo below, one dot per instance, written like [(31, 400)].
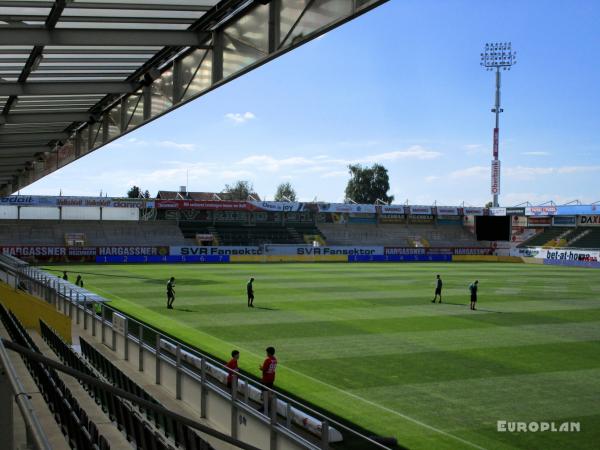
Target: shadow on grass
[(478, 309)]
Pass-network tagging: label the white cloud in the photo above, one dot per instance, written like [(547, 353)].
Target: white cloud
[(578, 169), (272, 164), (527, 173), (335, 173), (470, 173), (413, 152), (431, 178), (535, 153), (240, 117), (473, 149), (366, 143), (177, 145)]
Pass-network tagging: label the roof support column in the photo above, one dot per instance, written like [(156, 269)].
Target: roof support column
[(90, 130), (123, 115), (77, 143), (147, 92), (217, 56), (105, 120), (274, 25), (177, 80)]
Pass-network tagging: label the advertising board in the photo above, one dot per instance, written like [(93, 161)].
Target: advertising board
[(421, 210), (447, 210), (541, 211), (392, 209), (276, 250), (589, 221)]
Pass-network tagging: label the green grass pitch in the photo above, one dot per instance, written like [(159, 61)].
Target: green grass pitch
[(365, 342)]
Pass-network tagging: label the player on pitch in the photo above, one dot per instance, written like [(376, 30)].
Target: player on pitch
[(438, 289), (250, 292), (473, 288), (170, 292)]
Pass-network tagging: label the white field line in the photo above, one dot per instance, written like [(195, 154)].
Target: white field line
[(335, 388)]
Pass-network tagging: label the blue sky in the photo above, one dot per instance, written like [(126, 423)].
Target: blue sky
[(401, 86)]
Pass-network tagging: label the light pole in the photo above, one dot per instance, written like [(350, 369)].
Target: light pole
[(497, 56)]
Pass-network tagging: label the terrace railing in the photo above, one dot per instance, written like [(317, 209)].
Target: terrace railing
[(190, 373)]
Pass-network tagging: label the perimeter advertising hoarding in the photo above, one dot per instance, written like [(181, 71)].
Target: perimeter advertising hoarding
[(346, 208), (438, 251), (497, 211), (204, 204), (283, 250), (469, 211), (515, 211), (392, 209), (105, 202), (539, 221), (589, 221), (78, 254), (541, 211), (495, 188), (278, 206), (392, 218), (557, 254), (564, 221), (447, 210), (418, 210)]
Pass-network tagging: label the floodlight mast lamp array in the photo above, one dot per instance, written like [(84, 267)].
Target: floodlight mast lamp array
[(497, 56)]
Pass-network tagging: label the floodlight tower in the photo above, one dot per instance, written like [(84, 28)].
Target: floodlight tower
[(497, 56)]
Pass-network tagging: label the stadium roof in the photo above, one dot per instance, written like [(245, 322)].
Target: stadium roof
[(77, 74)]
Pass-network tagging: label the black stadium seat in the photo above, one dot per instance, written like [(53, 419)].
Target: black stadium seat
[(72, 420)]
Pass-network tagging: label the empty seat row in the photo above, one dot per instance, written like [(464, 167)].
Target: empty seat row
[(181, 434), (80, 431), (130, 421)]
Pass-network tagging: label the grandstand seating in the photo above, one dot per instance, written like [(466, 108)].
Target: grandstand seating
[(399, 235), (97, 233), (80, 432), (236, 234), (544, 237), (586, 238), (153, 431)]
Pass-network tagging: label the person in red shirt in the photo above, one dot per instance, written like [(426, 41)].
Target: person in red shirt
[(232, 367), (268, 368)]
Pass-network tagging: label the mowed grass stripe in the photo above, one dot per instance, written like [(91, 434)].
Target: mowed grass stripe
[(323, 328), (426, 367), (313, 327)]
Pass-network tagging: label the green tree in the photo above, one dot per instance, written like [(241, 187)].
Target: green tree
[(368, 184), (285, 192), (489, 204), (134, 192), (241, 190)]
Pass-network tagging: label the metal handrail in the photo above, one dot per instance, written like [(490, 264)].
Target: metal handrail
[(22, 399), (147, 404), (78, 298)]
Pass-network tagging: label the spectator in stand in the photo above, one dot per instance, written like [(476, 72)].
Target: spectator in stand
[(268, 375), (21, 286), (79, 281), (65, 276), (232, 365)]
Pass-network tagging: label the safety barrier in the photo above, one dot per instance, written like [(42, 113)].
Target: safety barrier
[(400, 258), (287, 422), (30, 309)]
